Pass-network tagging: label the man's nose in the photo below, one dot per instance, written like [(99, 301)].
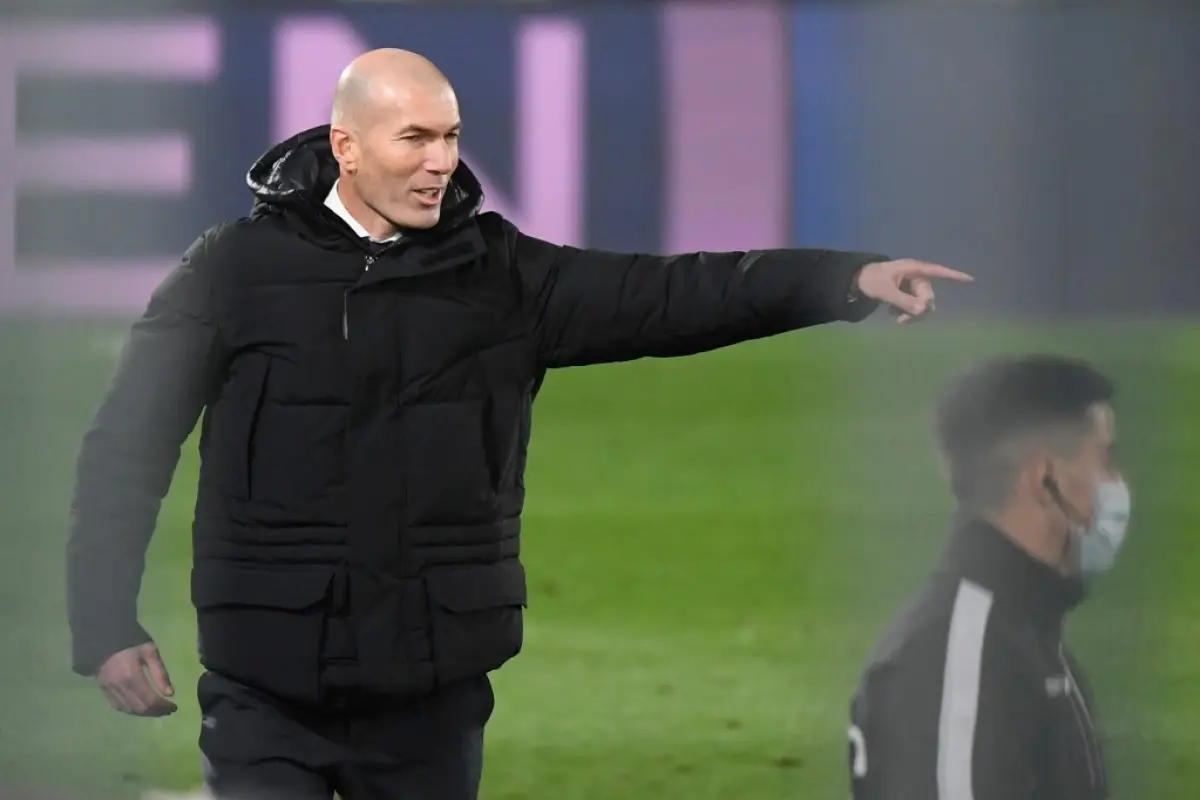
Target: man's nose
[(438, 158)]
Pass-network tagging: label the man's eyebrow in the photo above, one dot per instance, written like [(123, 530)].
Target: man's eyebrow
[(427, 130)]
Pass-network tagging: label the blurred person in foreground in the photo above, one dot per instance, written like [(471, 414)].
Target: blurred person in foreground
[(366, 347), (972, 694)]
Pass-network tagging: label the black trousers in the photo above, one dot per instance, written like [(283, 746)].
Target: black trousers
[(256, 747)]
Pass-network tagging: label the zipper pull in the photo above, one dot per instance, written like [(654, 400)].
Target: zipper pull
[(370, 261), (346, 316)]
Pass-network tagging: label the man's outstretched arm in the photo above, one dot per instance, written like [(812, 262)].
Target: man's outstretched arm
[(594, 306), (129, 455)]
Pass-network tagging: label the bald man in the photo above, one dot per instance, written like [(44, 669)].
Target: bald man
[(366, 347)]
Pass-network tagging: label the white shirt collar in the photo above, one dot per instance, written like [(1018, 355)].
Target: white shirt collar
[(333, 201)]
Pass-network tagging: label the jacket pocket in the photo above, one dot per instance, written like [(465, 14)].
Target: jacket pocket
[(234, 420), (476, 618), (262, 626)]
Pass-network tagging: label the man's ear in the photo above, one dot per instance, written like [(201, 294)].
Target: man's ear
[(1045, 480), (345, 149)]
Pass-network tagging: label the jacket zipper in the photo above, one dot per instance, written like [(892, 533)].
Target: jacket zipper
[(371, 259), (1087, 729), (329, 215), (346, 301)]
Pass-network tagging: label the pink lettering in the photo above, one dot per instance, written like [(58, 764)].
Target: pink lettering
[(180, 50), (310, 53), (157, 164), (727, 165), (8, 166), (551, 115), (726, 187)]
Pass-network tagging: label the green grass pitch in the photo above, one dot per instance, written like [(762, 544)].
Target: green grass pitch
[(713, 544)]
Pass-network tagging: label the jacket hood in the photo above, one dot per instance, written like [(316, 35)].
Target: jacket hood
[(298, 173)]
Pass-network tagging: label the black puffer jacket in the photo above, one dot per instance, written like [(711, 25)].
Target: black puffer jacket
[(366, 422)]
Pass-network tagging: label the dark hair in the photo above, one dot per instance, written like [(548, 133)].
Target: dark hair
[(999, 401)]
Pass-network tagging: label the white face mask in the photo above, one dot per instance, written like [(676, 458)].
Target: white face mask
[(1100, 542)]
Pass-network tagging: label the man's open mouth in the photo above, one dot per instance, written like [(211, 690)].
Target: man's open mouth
[(430, 196)]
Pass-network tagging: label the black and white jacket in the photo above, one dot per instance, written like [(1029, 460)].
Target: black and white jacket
[(972, 694)]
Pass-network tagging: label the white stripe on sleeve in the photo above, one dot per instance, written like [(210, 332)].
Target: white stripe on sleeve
[(960, 691)]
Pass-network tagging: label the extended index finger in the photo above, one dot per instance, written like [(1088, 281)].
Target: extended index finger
[(923, 269)]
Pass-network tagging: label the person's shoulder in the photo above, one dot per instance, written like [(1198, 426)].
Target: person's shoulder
[(509, 245), (219, 234), (950, 617), (510, 248), (495, 228), (228, 239), (917, 635), (238, 232)]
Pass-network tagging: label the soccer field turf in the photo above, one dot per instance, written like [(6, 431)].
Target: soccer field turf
[(712, 543)]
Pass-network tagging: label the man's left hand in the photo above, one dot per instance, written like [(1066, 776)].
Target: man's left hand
[(905, 285)]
